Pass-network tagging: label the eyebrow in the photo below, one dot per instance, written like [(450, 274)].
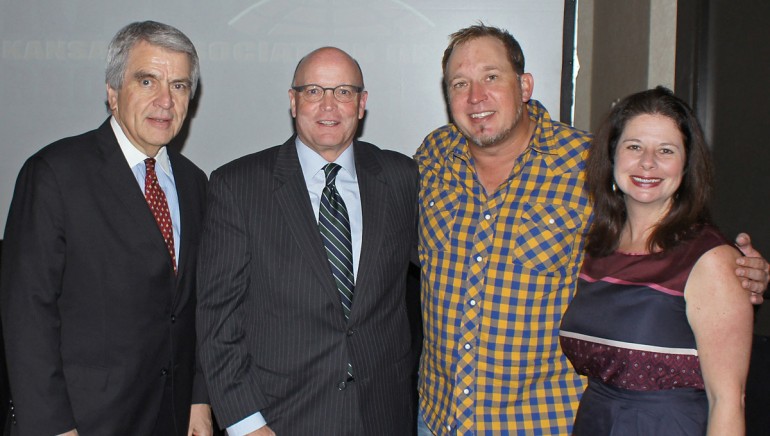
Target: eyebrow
[(185, 81), (141, 74), (485, 68), (673, 144)]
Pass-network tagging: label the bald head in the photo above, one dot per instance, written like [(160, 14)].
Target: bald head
[(325, 121), (325, 56)]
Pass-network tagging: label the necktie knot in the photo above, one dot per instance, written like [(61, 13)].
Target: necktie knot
[(149, 165), (330, 171)]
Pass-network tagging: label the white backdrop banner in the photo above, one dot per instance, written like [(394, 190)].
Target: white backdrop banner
[(52, 66)]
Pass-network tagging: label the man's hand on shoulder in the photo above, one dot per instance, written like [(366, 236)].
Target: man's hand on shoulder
[(753, 269), (200, 421), (73, 432)]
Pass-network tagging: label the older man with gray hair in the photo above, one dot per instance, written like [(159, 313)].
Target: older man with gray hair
[(98, 274)]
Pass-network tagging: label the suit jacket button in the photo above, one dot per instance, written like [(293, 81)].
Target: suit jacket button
[(351, 331), (173, 319), (163, 372), (342, 386)]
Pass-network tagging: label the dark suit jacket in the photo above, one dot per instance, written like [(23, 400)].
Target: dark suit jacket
[(272, 334), (95, 321)]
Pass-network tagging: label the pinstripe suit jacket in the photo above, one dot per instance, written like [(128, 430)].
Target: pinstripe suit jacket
[(272, 334)]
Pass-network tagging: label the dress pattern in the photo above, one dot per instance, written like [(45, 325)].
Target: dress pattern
[(627, 328)]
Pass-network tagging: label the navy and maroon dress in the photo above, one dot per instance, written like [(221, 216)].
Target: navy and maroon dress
[(627, 331)]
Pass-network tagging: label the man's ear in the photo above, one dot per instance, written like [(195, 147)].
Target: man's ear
[(527, 86), (293, 103), (362, 104), (112, 99)]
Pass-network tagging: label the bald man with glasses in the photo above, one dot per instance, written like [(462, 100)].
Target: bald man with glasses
[(302, 319)]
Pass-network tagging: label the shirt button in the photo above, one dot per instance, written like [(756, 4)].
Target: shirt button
[(551, 221), (467, 346), (466, 391), (487, 216), (472, 303), (479, 258), (449, 427), (431, 203)]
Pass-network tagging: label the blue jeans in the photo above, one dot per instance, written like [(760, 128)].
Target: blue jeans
[(422, 428)]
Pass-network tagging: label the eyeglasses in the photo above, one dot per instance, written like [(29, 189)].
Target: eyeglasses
[(314, 93)]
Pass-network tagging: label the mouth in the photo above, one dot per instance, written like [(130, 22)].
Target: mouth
[(328, 123), (481, 115), (161, 121), (645, 181)]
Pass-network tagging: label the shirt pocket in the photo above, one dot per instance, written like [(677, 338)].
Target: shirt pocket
[(438, 207), (546, 237)]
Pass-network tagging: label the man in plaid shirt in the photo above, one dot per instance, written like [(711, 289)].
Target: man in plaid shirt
[(503, 214)]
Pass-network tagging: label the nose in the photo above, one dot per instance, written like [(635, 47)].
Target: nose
[(476, 93), (328, 101), (647, 159), (163, 99)]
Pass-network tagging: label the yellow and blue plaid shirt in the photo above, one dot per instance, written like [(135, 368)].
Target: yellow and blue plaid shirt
[(497, 274)]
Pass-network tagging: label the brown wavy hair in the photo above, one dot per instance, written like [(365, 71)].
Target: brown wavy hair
[(689, 208)]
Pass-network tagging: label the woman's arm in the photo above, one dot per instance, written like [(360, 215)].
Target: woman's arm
[(721, 318)]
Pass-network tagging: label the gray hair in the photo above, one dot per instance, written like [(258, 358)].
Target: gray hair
[(152, 32)]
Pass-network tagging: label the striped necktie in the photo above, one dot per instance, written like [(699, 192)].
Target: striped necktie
[(334, 226), (335, 230)]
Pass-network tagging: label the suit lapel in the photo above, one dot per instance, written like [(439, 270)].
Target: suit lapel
[(188, 215), (374, 205), (292, 197), (116, 174)]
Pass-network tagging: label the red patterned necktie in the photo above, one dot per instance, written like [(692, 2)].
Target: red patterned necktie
[(156, 199)]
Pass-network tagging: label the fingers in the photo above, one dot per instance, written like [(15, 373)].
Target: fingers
[(743, 239), (753, 286), (753, 268), (753, 262), (753, 280)]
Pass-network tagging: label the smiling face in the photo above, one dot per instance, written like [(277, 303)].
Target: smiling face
[(327, 126), (152, 103), (486, 96), (649, 161)]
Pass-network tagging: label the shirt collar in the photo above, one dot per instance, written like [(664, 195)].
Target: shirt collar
[(133, 155), (312, 162), (542, 138)]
